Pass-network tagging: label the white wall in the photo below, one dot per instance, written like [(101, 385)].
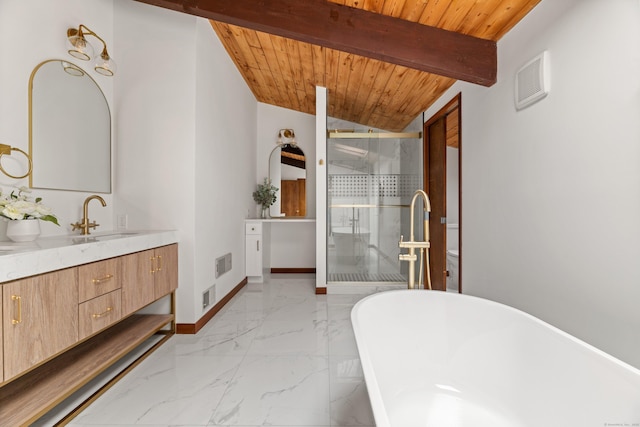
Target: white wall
[(292, 245), (226, 114), (186, 129), (31, 32), (155, 129), (551, 194), (321, 186)]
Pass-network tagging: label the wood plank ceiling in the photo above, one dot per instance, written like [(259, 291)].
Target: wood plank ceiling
[(376, 94)]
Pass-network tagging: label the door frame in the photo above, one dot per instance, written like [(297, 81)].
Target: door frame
[(454, 104)]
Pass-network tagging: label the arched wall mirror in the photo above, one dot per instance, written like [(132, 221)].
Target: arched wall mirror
[(287, 172), (69, 130)]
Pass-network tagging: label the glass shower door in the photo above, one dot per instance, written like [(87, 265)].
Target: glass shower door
[(371, 178)]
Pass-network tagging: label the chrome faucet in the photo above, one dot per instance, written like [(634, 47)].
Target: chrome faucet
[(412, 245), (84, 223)]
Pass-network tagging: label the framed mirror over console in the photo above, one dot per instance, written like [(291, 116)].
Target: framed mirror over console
[(69, 129), (287, 172)]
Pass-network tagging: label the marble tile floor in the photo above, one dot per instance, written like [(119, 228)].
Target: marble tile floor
[(276, 355)]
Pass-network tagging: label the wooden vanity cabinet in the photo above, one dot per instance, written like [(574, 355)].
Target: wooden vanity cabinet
[(40, 319), (62, 329), (166, 275), (148, 276)]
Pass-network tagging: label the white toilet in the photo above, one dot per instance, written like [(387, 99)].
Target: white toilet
[(452, 257)]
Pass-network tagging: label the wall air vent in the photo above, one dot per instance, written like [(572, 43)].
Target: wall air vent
[(532, 81), (223, 264)]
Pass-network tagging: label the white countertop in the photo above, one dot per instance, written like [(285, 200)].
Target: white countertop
[(280, 219), (18, 260)]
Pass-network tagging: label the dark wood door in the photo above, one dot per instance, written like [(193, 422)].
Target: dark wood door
[(435, 185), (302, 197), (293, 201)]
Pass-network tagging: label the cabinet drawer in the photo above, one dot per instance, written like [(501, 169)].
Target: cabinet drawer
[(98, 313), (98, 278), (253, 228)]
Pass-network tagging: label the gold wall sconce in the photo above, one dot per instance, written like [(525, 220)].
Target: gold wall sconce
[(286, 136), (80, 48), (6, 150), (71, 69)]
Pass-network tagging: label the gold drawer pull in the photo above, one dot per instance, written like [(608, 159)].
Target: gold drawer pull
[(103, 279), (159, 263), (104, 313), (19, 310), (153, 261)]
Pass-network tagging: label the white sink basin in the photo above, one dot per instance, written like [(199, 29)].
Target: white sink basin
[(117, 235), (103, 237)]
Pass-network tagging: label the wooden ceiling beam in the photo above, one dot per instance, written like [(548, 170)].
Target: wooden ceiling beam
[(356, 31)]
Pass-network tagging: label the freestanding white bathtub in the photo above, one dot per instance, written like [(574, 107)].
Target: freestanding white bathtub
[(434, 359)]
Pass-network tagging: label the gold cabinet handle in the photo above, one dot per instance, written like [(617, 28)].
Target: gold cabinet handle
[(18, 311), (156, 264), (102, 279), (104, 313)]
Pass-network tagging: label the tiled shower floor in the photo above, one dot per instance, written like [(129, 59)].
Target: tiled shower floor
[(276, 355)]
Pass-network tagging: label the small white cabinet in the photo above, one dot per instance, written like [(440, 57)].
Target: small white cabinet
[(256, 253)]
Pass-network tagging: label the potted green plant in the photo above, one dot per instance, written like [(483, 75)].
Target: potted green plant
[(265, 195)]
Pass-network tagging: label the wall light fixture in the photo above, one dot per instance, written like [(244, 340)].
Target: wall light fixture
[(80, 48), (286, 136)]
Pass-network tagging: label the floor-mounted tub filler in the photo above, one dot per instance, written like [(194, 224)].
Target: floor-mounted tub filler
[(434, 359)]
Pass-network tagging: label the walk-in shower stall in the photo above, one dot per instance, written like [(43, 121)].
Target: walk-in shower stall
[(371, 177)]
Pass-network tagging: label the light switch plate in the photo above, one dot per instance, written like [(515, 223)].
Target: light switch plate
[(122, 221)]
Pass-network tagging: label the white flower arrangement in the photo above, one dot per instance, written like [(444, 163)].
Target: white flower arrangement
[(17, 207)]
